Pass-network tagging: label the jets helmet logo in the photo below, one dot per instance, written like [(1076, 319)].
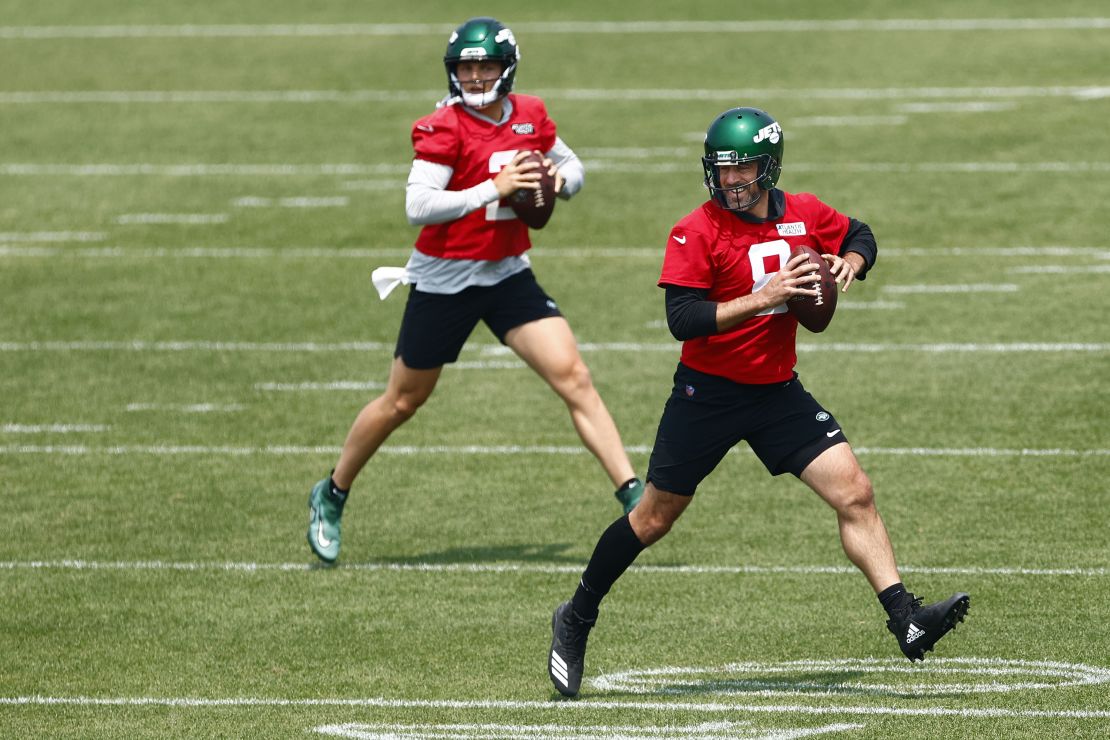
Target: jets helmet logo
[(503, 35), (770, 132)]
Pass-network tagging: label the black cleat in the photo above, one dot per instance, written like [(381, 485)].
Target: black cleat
[(919, 627), (568, 649)]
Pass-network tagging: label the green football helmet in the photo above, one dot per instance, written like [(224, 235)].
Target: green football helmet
[(737, 136), (481, 39)]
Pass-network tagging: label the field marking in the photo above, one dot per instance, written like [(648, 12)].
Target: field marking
[(878, 168), (744, 730), (279, 30), (397, 186), (186, 408), (971, 106), (52, 236), (615, 252), (582, 705), (1058, 269), (620, 166), (962, 288), (332, 385), (166, 450), (541, 568), (52, 428), (493, 350), (129, 219), (198, 169), (994, 675), (838, 121), (179, 97), (339, 201)]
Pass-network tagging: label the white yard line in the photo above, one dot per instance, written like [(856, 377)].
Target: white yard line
[(52, 428), (583, 705), (540, 568), (609, 166), (170, 450), (51, 236), (333, 385), (140, 345), (188, 408), (178, 97), (1058, 269), (306, 201), (129, 219), (962, 288), (542, 252), (718, 730), (578, 28), (972, 106), (119, 169)]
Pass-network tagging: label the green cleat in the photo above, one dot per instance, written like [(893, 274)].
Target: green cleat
[(629, 494), (325, 510)]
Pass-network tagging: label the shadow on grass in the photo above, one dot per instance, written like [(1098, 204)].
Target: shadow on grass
[(800, 683), (527, 553)]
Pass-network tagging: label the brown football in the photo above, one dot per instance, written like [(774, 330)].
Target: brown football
[(534, 207), (815, 312)]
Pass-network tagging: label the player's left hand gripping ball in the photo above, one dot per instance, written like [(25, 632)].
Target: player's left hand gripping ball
[(534, 207), (815, 312)]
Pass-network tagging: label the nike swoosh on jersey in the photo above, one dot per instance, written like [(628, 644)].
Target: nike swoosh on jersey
[(680, 241), (833, 433)]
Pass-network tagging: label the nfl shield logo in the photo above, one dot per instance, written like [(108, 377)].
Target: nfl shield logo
[(690, 391)]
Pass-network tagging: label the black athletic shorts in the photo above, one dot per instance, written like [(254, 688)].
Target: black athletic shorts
[(435, 327), (708, 415)]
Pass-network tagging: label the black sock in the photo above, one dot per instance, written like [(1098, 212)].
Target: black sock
[(337, 493), (615, 551), (894, 598)]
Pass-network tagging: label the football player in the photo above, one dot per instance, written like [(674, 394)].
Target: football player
[(728, 273), (470, 265)]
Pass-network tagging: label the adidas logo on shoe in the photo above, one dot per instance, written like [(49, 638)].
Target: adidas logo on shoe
[(559, 668), (919, 627)]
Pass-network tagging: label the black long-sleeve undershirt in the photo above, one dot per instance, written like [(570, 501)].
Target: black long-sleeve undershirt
[(690, 314)]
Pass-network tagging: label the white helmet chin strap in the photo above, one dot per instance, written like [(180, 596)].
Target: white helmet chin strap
[(482, 99)]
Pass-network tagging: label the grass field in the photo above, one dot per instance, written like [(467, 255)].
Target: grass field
[(192, 197)]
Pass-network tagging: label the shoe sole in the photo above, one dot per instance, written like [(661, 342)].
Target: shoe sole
[(961, 603)]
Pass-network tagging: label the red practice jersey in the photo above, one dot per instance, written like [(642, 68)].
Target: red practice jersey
[(714, 250), (477, 150)]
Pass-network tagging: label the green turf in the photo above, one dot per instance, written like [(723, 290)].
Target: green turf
[(154, 573)]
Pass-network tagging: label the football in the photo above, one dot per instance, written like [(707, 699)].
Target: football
[(534, 207), (815, 312)]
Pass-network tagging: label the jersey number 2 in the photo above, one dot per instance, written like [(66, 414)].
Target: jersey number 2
[(495, 211)]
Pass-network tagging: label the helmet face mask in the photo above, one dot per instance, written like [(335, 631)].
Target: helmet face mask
[(479, 40), (736, 137)]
